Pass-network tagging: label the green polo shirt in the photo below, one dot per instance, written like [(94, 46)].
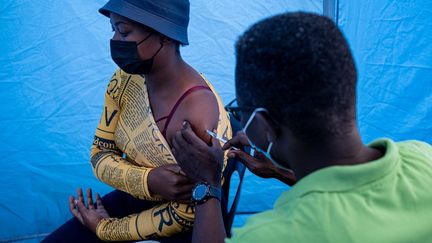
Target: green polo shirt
[(386, 200)]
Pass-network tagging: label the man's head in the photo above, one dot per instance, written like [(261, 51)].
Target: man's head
[(299, 67)]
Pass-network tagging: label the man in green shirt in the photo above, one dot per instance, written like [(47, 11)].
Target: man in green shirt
[(296, 88)]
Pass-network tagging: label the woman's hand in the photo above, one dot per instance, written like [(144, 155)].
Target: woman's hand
[(260, 165), (88, 215), (200, 161), (170, 182)]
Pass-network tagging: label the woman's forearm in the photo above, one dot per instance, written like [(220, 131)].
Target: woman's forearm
[(162, 220), (115, 171)]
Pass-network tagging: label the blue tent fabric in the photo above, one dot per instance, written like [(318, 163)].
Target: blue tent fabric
[(391, 41), (55, 65)]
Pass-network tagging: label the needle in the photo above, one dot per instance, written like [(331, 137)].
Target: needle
[(219, 138)]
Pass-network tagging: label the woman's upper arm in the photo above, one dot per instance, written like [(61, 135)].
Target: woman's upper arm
[(104, 135), (201, 110)]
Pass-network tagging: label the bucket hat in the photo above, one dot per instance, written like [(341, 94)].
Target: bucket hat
[(168, 17)]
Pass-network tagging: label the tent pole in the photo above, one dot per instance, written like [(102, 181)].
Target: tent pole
[(331, 9)]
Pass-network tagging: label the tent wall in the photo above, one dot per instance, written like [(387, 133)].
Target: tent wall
[(391, 41)]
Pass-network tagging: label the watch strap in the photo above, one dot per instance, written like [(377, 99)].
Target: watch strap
[(215, 192)]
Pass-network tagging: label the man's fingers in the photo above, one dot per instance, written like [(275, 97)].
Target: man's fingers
[(190, 136), (174, 168), (231, 143), (173, 150), (183, 180), (179, 142), (238, 141), (178, 172), (181, 172), (188, 188), (227, 145), (174, 141), (186, 193), (245, 158), (216, 144), (90, 198), (242, 138)]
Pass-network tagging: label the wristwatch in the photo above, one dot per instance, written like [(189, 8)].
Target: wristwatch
[(203, 191)]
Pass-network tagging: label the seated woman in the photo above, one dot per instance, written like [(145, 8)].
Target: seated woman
[(146, 103)]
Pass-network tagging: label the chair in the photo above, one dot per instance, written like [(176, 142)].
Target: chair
[(233, 165)]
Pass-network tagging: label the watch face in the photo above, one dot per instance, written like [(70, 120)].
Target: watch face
[(199, 192)]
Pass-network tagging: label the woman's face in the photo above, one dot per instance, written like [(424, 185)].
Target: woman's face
[(126, 30)]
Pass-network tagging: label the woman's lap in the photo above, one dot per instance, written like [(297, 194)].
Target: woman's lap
[(118, 204)]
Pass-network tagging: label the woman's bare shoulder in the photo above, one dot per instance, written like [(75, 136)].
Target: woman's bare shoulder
[(200, 108)]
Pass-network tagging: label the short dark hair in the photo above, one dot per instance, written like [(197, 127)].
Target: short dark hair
[(299, 67)]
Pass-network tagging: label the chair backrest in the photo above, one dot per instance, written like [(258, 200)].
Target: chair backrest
[(233, 165)]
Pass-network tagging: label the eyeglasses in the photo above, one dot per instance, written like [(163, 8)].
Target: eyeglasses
[(237, 111)]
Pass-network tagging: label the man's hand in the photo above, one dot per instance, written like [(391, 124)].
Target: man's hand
[(171, 183), (88, 215), (198, 160), (260, 165)]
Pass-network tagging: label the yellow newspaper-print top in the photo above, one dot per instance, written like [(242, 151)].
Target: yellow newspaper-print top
[(127, 127)]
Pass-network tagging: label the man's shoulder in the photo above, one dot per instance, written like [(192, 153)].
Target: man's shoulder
[(416, 154), (286, 221), (416, 166), (415, 147), (263, 227)]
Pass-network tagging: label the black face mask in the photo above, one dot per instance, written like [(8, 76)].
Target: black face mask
[(125, 55)]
